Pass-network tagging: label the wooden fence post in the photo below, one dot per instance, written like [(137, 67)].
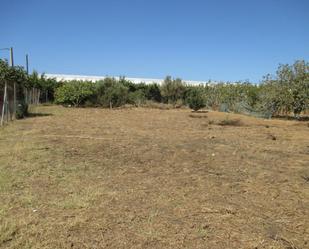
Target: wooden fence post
[(4, 103)]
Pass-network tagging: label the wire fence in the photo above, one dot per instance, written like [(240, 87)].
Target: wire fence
[(244, 108), (14, 101)]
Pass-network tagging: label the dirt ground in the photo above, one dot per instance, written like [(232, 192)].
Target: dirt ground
[(150, 178)]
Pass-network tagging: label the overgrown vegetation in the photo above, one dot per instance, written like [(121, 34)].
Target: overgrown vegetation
[(286, 92), (74, 93), (25, 89), (173, 90), (196, 99)]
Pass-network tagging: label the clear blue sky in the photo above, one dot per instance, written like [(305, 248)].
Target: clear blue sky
[(198, 40)]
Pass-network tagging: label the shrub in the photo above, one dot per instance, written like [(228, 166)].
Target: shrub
[(74, 93), (137, 98), (289, 91), (132, 87), (172, 90), (153, 93), (114, 96), (196, 99), (21, 110)]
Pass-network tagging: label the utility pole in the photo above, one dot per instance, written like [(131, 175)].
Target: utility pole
[(11, 57), (27, 64)]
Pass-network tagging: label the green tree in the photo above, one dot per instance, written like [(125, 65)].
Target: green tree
[(15, 79), (300, 87), (172, 90), (289, 91), (153, 93), (137, 98), (74, 93), (114, 95), (196, 99)]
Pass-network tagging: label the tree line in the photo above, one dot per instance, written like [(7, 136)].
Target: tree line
[(18, 89), (284, 93)]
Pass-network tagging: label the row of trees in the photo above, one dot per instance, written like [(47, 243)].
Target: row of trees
[(286, 92), (18, 89), (106, 93), (115, 93)]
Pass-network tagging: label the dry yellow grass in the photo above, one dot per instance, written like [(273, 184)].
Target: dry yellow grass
[(148, 178)]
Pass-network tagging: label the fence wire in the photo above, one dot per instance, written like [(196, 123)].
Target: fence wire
[(14, 101), (244, 108)]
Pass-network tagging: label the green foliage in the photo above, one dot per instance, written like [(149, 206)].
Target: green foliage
[(34, 80), (12, 75), (137, 98), (17, 75), (103, 85), (230, 95), (130, 85), (112, 94), (47, 86), (21, 110), (172, 90), (196, 99), (74, 93), (153, 93), (16, 78), (289, 91)]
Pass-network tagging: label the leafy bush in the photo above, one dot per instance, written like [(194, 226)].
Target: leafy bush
[(74, 93), (114, 96), (15, 79), (287, 92), (21, 110), (172, 90), (132, 93), (137, 98), (153, 93), (103, 85), (196, 99), (132, 87)]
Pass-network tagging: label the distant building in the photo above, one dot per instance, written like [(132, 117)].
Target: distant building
[(68, 77)]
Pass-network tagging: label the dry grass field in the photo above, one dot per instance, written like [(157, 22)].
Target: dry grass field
[(150, 178)]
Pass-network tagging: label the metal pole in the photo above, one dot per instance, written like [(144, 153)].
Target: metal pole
[(11, 57), (27, 64), (14, 84)]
